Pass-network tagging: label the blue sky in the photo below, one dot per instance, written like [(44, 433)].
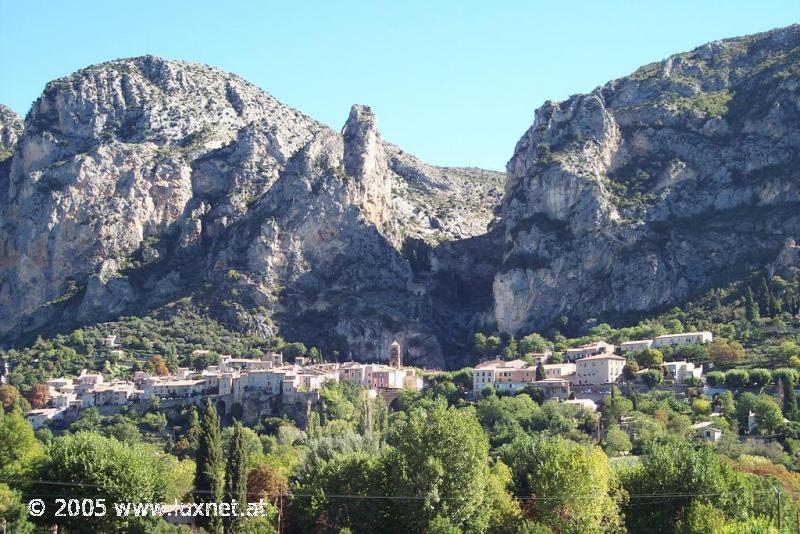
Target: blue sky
[(455, 82)]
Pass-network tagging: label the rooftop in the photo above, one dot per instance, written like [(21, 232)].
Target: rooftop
[(607, 356)]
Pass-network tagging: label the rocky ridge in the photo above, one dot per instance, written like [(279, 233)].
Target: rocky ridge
[(654, 186), (143, 180)]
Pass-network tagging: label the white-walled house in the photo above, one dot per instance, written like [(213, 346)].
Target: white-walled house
[(707, 431), (483, 374), (636, 345), (686, 338), (599, 369), (680, 370), (585, 404), (560, 370), (516, 375), (43, 416)]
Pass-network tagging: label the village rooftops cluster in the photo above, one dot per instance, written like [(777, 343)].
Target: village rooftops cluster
[(237, 378), (587, 365)]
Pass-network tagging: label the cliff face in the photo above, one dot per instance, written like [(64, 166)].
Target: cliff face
[(654, 186), (139, 181), (10, 130)]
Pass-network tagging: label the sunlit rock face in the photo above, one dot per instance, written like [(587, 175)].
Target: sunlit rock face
[(653, 186)]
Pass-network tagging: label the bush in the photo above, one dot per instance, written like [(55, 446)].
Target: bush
[(650, 358), (760, 377), (737, 378), (653, 377), (715, 379)]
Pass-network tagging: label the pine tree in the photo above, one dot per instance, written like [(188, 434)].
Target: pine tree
[(750, 308), (236, 477), (208, 479)]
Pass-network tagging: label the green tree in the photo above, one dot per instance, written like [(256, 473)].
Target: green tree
[(760, 377), (715, 378), (13, 513), (236, 476), (630, 370), (98, 467), (436, 453), (751, 311), (479, 342), (703, 517), (783, 353), (685, 473), (540, 374), (209, 474), (764, 298), (769, 417), (576, 479), (653, 377), (511, 350), (737, 378), (789, 397), (8, 396), (616, 407), (650, 358), (534, 343), (722, 352), (617, 441), (493, 344), (19, 448)]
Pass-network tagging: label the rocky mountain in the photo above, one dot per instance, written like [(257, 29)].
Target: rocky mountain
[(10, 130), (143, 182), (654, 186)]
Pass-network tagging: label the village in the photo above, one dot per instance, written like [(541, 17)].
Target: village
[(235, 381), (583, 377), (587, 371)]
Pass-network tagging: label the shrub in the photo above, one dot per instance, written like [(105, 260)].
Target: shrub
[(653, 377), (715, 378), (737, 378), (760, 377)]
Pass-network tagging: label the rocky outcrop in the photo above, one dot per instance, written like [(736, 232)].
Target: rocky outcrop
[(654, 186), (10, 131)]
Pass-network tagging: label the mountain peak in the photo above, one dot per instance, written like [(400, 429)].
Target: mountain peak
[(364, 154)]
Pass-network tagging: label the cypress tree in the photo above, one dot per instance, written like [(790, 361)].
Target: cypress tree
[(236, 478), (208, 478), (775, 306), (540, 374), (764, 298), (750, 308), (789, 399), (380, 415)]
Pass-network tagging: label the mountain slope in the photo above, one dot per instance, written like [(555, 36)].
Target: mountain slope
[(141, 181), (654, 186)]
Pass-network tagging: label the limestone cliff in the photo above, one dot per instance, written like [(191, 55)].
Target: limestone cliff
[(140, 181), (10, 131), (654, 186)]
